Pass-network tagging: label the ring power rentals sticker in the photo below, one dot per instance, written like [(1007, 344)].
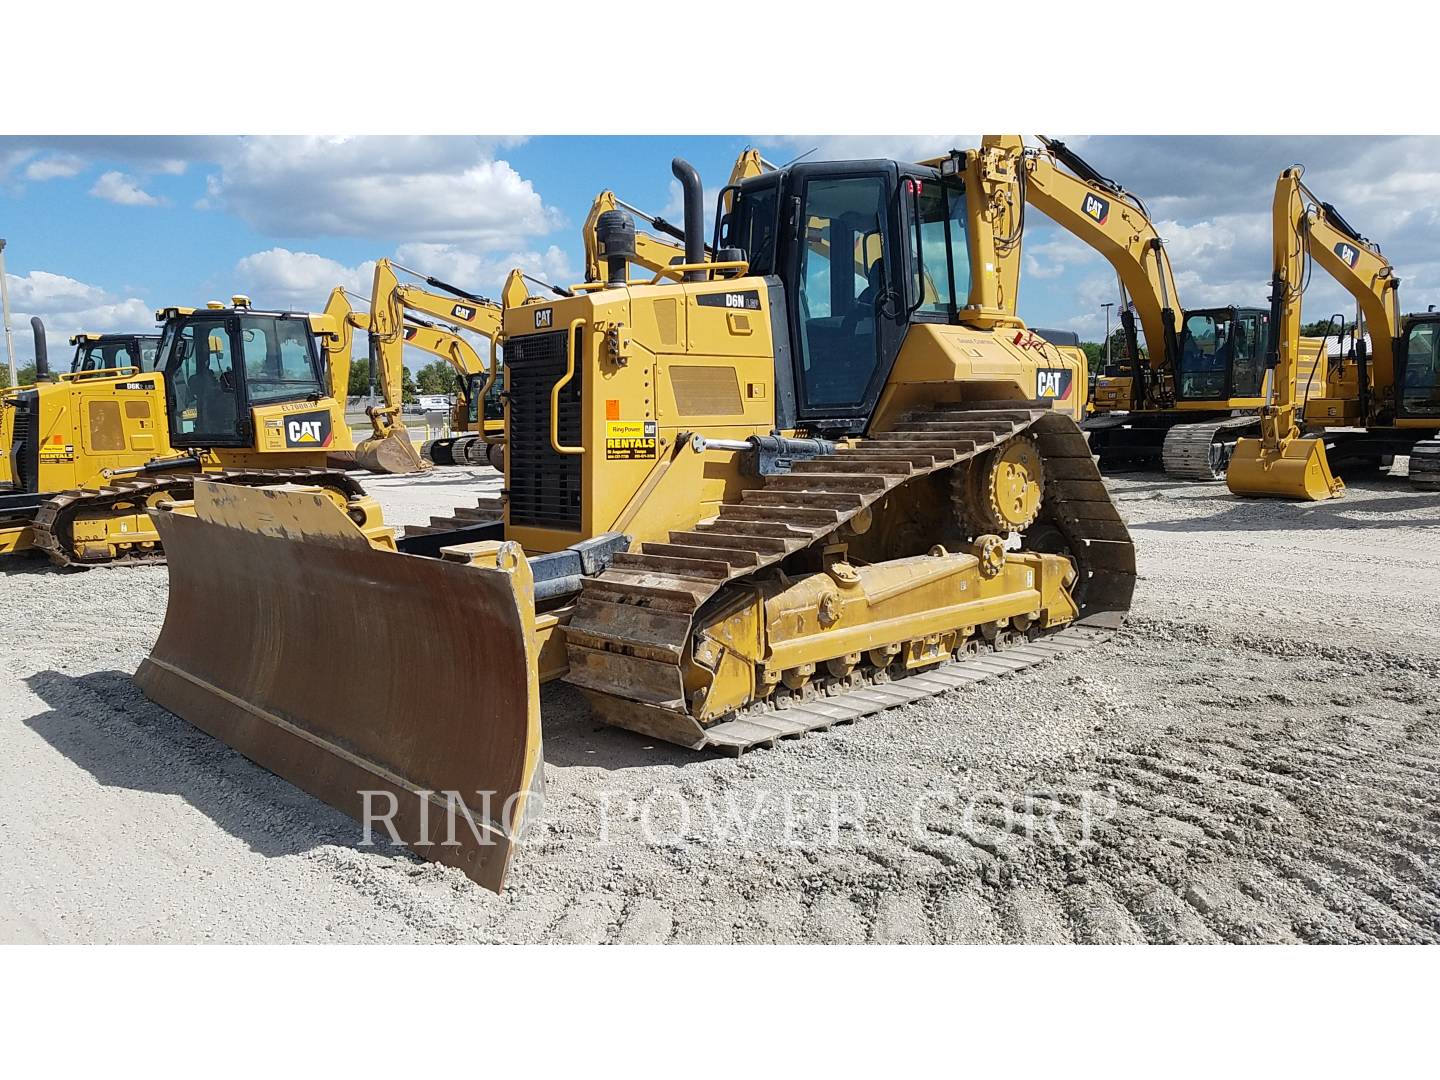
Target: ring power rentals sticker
[(306, 431), (631, 440), (1053, 383)]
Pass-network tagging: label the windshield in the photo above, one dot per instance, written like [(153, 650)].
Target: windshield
[(280, 361)]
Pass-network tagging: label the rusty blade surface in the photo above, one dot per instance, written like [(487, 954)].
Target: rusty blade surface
[(345, 669)]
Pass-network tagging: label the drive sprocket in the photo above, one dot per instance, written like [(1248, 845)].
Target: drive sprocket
[(1002, 490)]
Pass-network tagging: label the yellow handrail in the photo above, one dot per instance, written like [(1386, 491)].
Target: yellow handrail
[(740, 266), (571, 339), (95, 373)]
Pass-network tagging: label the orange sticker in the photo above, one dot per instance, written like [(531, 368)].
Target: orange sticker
[(57, 439), (612, 408)]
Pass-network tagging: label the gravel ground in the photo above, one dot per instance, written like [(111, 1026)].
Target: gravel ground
[(1252, 760)]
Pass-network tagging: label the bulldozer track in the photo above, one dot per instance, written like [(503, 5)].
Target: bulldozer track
[(1202, 451), (489, 510), (53, 526), (628, 636)]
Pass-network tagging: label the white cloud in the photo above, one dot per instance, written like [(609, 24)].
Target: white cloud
[(54, 167), (429, 189), (301, 280), (482, 272), (118, 188), (68, 306)]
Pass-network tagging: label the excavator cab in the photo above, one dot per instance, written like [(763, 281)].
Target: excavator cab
[(1222, 354)]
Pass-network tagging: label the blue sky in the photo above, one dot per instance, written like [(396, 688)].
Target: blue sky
[(103, 230)]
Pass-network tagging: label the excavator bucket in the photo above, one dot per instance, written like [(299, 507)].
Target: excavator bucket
[(392, 453), (400, 689), (1298, 470)]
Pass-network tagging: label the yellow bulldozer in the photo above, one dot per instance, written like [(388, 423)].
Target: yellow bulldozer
[(819, 474), (239, 394)]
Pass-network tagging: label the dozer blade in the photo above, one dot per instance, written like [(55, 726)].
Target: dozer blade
[(392, 453), (372, 679), (1298, 470)]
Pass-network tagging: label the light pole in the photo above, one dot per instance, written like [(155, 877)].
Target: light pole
[(1107, 308), (5, 313)]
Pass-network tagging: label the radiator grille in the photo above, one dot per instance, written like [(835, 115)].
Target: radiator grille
[(25, 460), (544, 486)]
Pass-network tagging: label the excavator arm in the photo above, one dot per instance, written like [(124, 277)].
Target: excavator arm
[(1362, 271), (1281, 464), (1114, 223)]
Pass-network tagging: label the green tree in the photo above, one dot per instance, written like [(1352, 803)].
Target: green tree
[(409, 394), (436, 377), (1323, 328), (25, 373), (359, 376), (1094, 354)]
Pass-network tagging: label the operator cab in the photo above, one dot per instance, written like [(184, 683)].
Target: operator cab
[(106, 352), (862, 249), (1417, 378), (221, 362), (1222, 354), (472, 388)]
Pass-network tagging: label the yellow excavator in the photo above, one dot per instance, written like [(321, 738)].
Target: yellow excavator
[(406, 314), (1381, 401), (244, 395), (1177, 408), (819, 474)]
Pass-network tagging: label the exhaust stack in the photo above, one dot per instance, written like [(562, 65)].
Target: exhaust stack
[(694, 215), (42, 351)]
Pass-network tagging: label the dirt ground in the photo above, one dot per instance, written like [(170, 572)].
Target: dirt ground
[(1253, 759)]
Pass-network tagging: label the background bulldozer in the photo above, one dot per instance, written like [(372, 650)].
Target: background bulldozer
[(819, 474)]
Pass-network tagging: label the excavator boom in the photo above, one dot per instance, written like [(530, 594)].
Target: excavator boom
[(1281, 464)]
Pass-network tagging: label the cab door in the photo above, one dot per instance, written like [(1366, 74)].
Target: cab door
[(1417, 382), (848, 309), (204, 385)]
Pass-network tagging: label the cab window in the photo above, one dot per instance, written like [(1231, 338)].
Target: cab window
[(941, 208), (1206, 351), (1249, 353), (752, 226), (1420, 389), (280, 363)]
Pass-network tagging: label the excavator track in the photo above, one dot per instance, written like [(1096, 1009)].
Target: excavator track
[(1425, 465), (1202, 451), (629, 634), (53, 527)]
